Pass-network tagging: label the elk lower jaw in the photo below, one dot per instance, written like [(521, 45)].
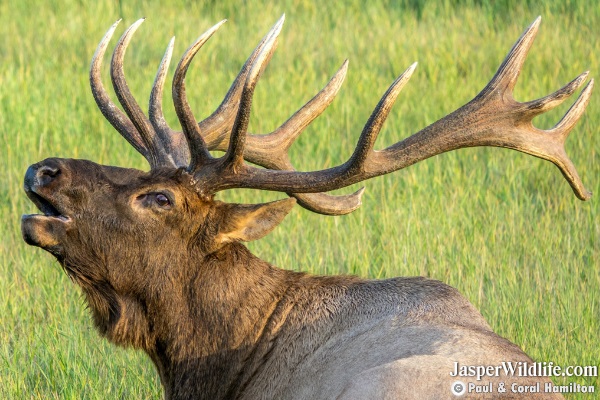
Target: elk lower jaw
[(45, 231)]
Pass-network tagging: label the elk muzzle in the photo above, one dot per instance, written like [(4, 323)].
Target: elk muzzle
[(45, 230)]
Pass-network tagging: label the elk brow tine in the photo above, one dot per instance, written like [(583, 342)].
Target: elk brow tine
[(216, 127), (327, 204), (111, 112), (130, 105), (234, 156), (199, 154)]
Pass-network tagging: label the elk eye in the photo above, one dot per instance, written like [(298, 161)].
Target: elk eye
[(162, 200)]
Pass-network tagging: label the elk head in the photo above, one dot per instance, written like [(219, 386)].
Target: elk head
[(115, 229)]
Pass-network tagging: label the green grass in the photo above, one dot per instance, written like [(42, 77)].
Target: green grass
[(502, 227)]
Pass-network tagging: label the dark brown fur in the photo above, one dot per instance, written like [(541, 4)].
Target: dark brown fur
[(217, 321)]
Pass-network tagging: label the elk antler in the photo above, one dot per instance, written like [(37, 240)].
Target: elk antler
[(165, 147), (492, 118)]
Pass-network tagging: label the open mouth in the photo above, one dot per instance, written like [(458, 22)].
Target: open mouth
[(45, 206)]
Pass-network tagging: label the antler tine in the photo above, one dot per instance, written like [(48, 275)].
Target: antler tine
[(562, 130), (546, 103), (234, 157), (173, 141), (506, 77), (373, 126), (199, 154), (155, 112), (327, 204), (554, 150), (156, 152), (111, 112), (566, 124), (164, 146), (270, 150), (547, 144), (352, 171), (492, 118), (217, 126), (289, 131)]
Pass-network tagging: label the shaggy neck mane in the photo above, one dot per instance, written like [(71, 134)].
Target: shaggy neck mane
[(207, 336)]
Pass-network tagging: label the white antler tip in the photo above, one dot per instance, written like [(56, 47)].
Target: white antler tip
[(408, 73), (111, 29), (359, 194), (278, 25), (536, 24)]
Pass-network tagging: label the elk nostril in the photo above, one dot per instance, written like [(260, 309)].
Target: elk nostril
[(48, 171), (46, 174), (40, 175)]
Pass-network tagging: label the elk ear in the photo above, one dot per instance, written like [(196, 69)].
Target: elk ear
[(247, 222)]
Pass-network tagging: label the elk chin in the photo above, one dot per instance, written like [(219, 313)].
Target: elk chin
[(45, 231)]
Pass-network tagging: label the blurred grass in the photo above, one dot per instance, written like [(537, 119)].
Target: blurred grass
[(502, 227)]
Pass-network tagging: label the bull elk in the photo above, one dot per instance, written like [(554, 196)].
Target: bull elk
[(163, 269)]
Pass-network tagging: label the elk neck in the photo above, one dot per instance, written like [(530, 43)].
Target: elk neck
[(205, 331), (233, 317)]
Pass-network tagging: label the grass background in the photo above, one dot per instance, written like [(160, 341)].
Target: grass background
[(502, 227)]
